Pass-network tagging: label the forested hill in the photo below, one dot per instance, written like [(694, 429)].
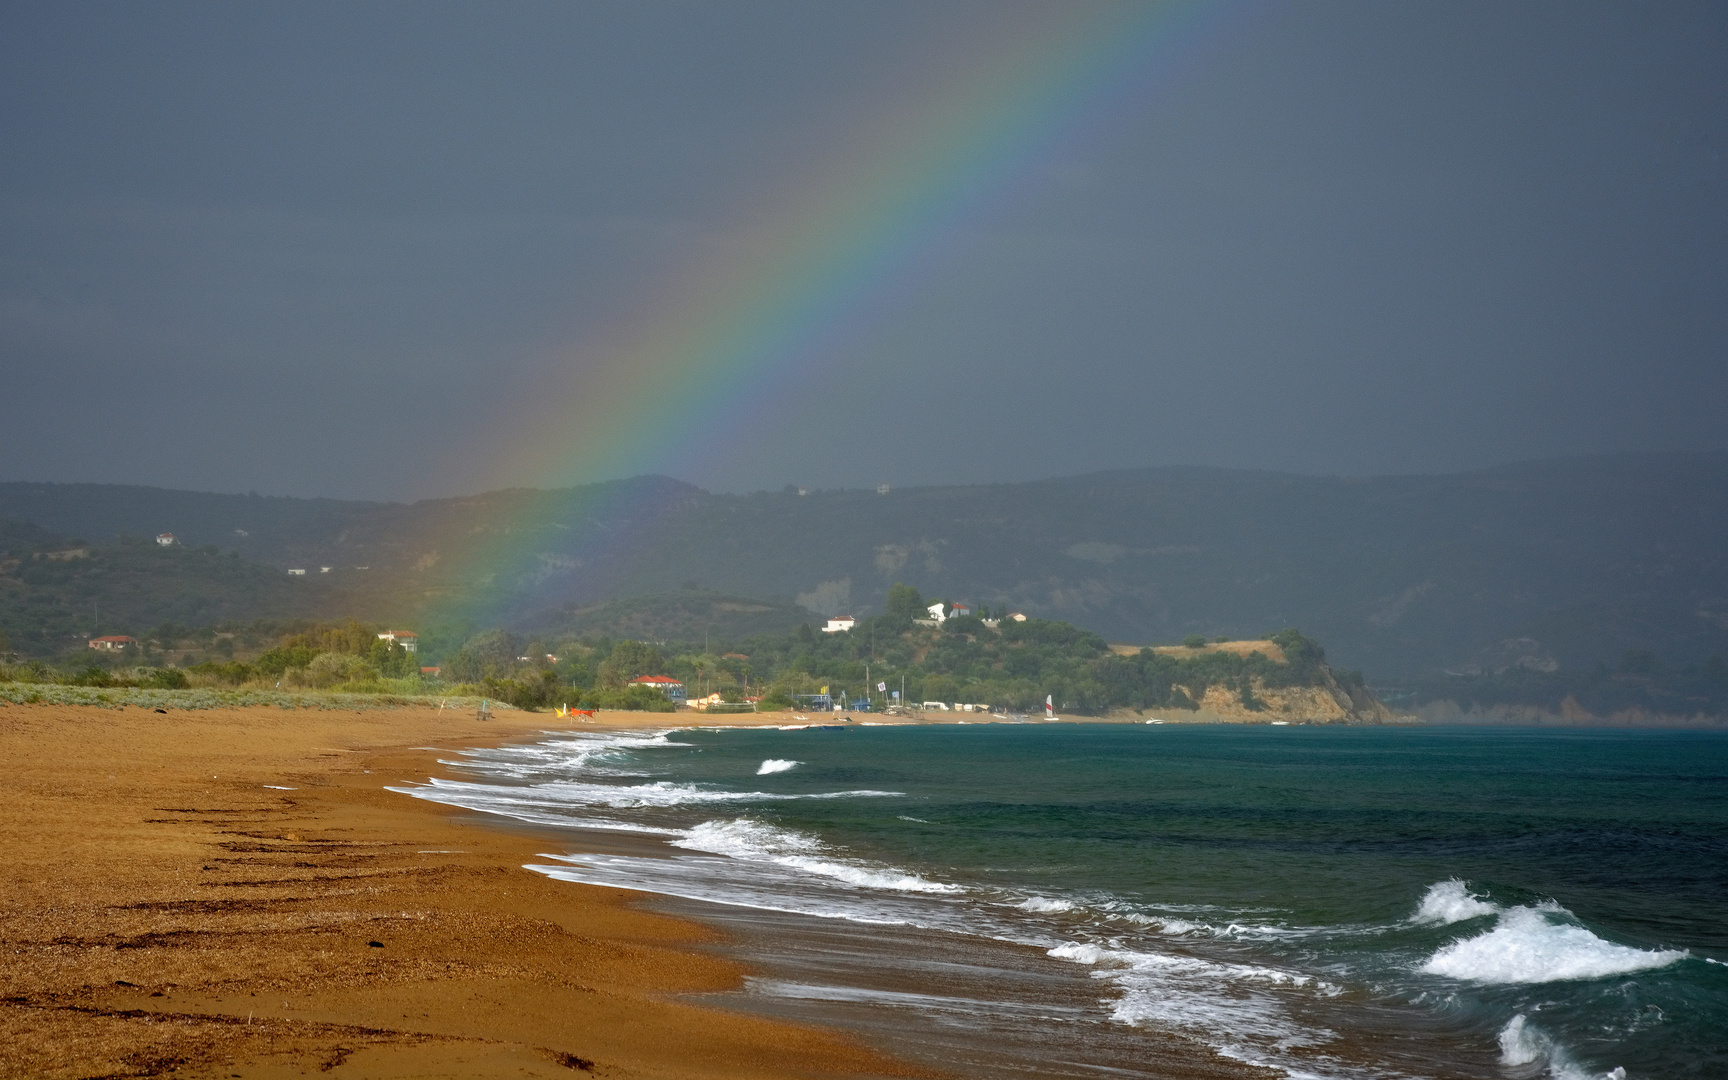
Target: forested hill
[(1564, 563)]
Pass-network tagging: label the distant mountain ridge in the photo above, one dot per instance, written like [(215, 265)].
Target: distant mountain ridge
[(1565, 562)]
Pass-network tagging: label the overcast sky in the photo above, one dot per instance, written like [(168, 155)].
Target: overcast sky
[(339, 249)]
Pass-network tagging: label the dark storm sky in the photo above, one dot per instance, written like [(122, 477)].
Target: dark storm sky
[(330, 249)]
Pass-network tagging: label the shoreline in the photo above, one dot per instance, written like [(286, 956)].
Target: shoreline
[(234, 892)]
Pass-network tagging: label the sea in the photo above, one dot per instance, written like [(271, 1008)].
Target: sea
[(1127, 900)]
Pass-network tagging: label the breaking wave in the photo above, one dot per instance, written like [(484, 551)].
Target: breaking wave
[(1522, 1043), (754, 841), (774, 765), (1450, 902), (1530, 945)]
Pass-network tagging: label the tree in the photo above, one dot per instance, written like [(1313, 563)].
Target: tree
[(904, 600), (1194, 641), (629, 660), (491, 653), (940, 688)]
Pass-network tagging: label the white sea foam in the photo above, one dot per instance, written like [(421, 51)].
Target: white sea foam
[(549, 797), (755, 841), (1450, 901), (774, 765), (1529, 945), (764, 886), (1043, 904), (1235, 1008), (1523, 1043)]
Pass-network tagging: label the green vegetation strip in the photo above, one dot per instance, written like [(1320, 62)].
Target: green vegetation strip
[(31, 693)]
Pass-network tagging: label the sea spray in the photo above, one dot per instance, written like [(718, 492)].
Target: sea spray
[(1530, 945), (1450, 901), (1523, 1043)]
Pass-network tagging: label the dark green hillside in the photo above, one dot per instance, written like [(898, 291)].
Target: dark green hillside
[(56, 593), (690, 615), (967, 660), (1566, 563)]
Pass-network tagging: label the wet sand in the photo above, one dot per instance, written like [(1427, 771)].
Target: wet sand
[(233, 893)]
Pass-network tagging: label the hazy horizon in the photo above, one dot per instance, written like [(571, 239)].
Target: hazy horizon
[(1174, 466)]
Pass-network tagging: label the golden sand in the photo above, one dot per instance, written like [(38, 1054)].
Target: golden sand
[(233, 893)]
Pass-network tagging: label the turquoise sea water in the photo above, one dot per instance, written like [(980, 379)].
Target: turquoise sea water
[(1323, 901)]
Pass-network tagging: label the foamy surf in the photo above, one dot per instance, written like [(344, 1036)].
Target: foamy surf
[(758, 842), (1238, 1009), (1449, 902), (1523, 1043), (1044, 904), (1530, 945), (1127, 923)]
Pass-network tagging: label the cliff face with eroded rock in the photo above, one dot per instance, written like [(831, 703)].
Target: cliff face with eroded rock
[(1328, 703)]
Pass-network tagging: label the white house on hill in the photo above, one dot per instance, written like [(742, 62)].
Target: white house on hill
[(166, 539), (839, 623), (408, 639)]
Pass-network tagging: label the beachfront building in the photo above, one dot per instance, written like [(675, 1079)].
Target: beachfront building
[(112, 643), (408, 639), (166, 539), (839, 623), (666, 684)]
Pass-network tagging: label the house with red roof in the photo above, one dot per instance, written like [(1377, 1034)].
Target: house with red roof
[(666, 684), (112, 643)]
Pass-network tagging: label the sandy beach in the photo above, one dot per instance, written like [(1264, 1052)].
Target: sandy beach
[(234, 893)]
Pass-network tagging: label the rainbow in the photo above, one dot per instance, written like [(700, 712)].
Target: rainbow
[(831, 241)]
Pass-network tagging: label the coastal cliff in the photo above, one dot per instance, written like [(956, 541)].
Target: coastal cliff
[(1274, 681), (1327, 703)]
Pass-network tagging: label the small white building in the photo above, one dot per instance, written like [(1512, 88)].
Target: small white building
[(938, 612), (112, 643), (839, 623), (408, 639), (298, 573), (166, 539)]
